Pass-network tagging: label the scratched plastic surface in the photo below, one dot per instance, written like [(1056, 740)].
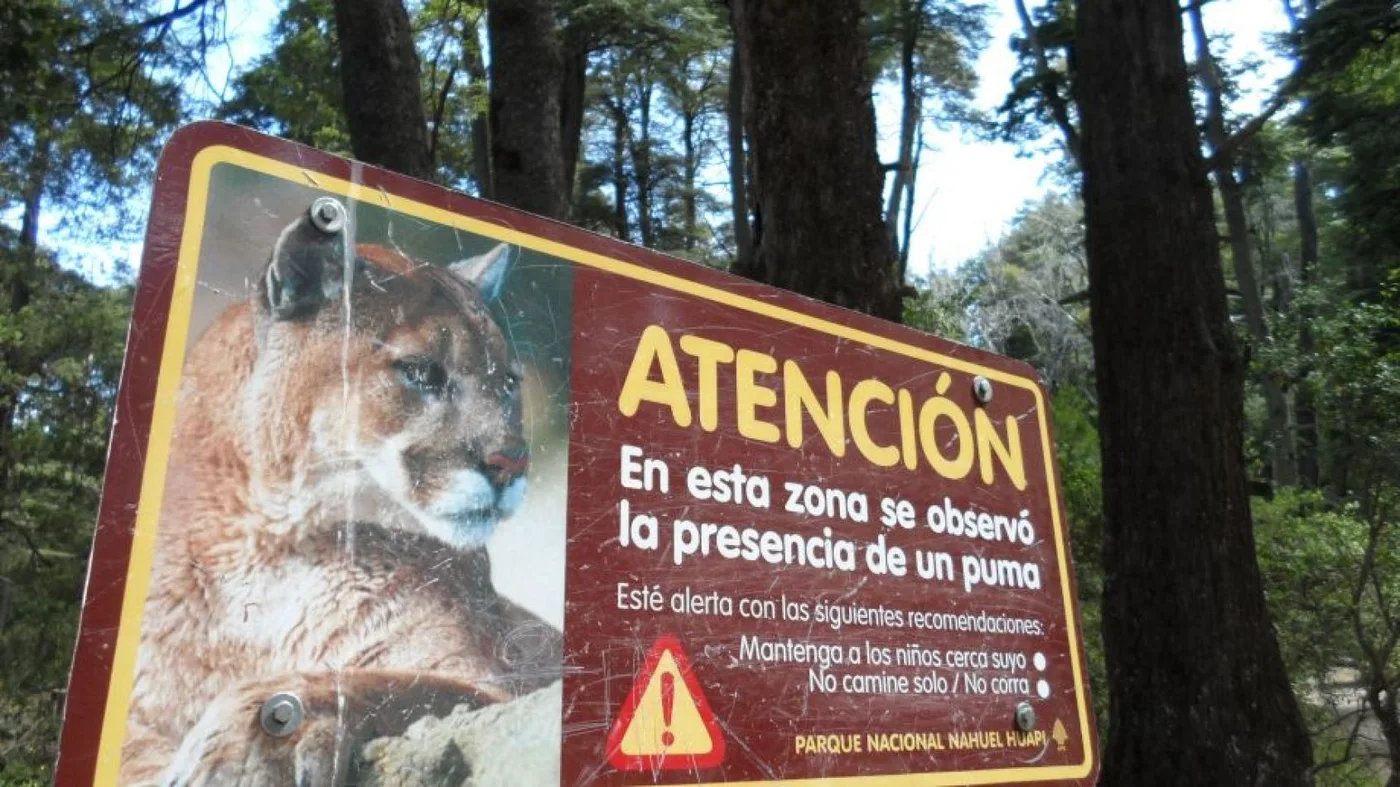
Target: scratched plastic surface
[(485, 500)]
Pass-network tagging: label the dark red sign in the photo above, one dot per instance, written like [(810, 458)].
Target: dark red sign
[(388, 456)]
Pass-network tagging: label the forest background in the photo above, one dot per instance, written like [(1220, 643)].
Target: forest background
[(669, 123)]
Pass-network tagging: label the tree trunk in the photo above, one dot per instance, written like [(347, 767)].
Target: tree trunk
[(738, 184), (910, 185), (29, 222), (1200, 695), (817, 182), (573, 90), (1305, 411), (481, 120), (1282, 451), (691, 164), (1282, 448), (908, 124), (641, 160), (621, 134), (379, 78), (527, 69), (439, 112)]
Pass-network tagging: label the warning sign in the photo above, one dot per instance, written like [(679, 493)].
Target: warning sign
[(665, 723), (389, 454)]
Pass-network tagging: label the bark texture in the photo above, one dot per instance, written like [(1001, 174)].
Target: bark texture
[(817, 186), (1199, 692), (527, 71), (382, 96)]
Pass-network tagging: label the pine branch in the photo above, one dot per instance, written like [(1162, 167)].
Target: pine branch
[(1059, 107), (173, 15)]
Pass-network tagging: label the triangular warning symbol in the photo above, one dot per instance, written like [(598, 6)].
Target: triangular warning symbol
[(665, 722)]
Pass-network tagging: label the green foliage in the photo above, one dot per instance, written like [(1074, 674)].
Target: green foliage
[(89, 94), (91, 88), (1332, 575), (1307, 557), (1351, 54), (62, 355), (1358, 371), (947, 38), (654, 130), (1044, 74), (940, 307), (1081, 477), (294, 90), (1330, 557), (1030, 292)]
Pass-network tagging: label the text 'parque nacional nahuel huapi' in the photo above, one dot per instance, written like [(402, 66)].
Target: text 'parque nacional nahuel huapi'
[(410, 486)]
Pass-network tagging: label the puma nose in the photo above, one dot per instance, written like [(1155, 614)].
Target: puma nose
[(506, 465)]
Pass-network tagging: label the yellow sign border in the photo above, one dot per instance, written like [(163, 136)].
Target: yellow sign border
[(171, 369)]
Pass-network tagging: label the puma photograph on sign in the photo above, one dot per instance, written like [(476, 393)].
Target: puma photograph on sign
[(367, 454)]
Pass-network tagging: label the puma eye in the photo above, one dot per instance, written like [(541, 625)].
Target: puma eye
[(422, 374)]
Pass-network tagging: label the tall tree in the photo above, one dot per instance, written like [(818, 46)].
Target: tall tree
[(1040, 89), (1198, 689), (1282, 447), (380, 89), (1350, 50), (927, 48), (293, 89), (1309, 243), (735, 113), (817, 181), (90, 89), (527, 71), (690, 90), (1309, 472), (62, 357), (1028, 292)]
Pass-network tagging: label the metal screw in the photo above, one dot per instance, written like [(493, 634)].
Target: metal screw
[(1025, 716), (280, 715), (982, 389), (327, 215)]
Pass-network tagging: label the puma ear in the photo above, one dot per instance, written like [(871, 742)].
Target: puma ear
[(306, 269), (486, 271)]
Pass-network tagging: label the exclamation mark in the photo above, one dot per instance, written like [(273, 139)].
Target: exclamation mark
[(668, 699)]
